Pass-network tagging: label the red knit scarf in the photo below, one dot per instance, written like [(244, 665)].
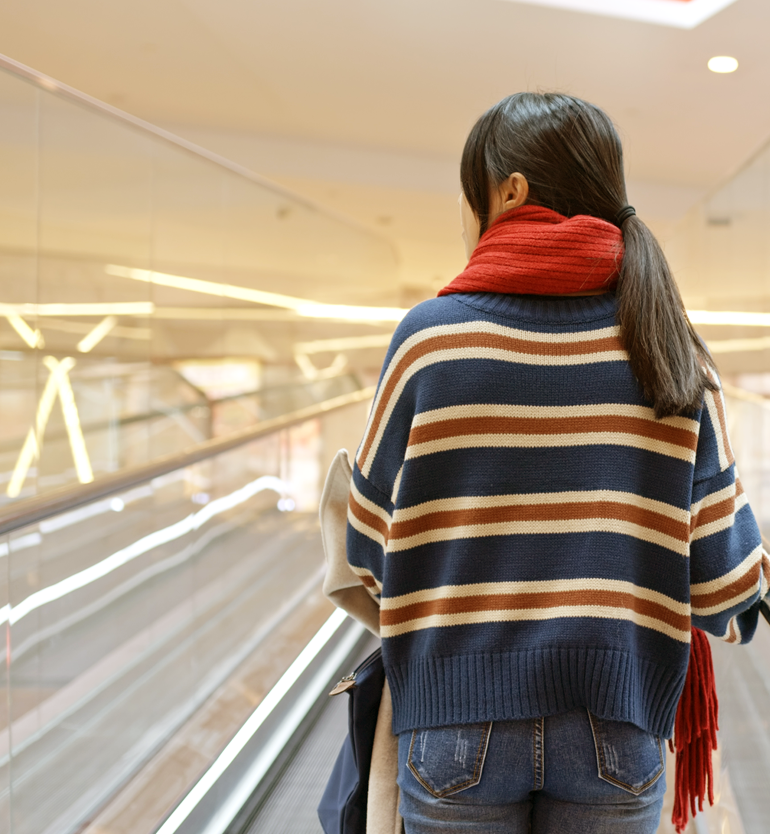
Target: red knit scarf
[(532, 250)]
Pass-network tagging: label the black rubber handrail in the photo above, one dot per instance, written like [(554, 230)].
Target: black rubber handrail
[(34, 510)]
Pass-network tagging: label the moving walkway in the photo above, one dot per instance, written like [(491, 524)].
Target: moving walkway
[(163, 584)]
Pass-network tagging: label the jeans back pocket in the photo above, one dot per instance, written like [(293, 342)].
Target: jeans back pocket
[(627, 755), (446, 760)]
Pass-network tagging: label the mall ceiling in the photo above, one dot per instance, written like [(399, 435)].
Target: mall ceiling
[(365, 105), (408, 75)]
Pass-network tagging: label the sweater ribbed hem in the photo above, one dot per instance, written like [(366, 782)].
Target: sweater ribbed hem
[(443, 691)]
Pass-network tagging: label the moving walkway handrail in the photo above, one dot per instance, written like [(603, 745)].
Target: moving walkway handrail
[(183, 408), (39, 508)]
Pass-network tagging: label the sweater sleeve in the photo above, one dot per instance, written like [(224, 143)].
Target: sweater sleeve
[(729, 568), (370, 513), (380, 457)]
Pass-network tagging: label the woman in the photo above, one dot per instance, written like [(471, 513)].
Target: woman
[(545, 499)]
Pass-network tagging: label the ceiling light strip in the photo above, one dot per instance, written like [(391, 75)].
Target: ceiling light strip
[(118, 308), (302, 306), (682, 14), (727, 317)]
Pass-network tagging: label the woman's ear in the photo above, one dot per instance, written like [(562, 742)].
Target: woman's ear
[(514, 191)]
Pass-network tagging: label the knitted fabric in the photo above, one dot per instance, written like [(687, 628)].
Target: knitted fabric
[(537, 539), (536, 251), (533, 250)]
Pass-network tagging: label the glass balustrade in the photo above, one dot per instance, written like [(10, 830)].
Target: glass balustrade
[(123, 616), (123, 255)]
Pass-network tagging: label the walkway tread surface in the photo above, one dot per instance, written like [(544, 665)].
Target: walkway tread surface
[(291, 806)]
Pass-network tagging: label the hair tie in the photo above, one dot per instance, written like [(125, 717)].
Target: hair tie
[(624, 214)]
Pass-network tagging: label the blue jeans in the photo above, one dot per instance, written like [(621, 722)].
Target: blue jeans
[(571, 773)]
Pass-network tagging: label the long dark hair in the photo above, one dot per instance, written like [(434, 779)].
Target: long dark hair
[(572, 157)]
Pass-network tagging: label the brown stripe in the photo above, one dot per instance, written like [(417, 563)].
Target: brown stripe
[(533, 601), (368, 581), (553, 425), (735, 589), (480, 340), (542, 512), (713, 513), (368, 518)]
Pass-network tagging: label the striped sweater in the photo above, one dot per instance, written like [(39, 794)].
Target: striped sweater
[(536, 538)]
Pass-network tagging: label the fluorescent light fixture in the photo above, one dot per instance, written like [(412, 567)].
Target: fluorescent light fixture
[(71, 420), (30, 451), (57, 384), (117, 308), (254, 722), (723, 64), (726, 317), (683, 14), (224, 314), (302, 306), (33, 338), (92, 339)]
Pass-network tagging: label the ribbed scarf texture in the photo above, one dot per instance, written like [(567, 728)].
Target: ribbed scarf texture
[(531, 250)]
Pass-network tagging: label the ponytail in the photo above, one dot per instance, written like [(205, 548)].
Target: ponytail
[(665, 353), (572, 158)]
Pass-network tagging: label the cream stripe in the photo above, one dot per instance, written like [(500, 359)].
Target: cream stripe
[(717, 426), (530, 614), (459, 412), (725, 437), (764, 582), (701, 531), (472, 502), (713, 498), (365, 572), (723, 606), (468, 327), (366, 530), (513, 528), (373, 508), (545, 586), (396, 485), (456, 354), (736, 573), (539, 441)]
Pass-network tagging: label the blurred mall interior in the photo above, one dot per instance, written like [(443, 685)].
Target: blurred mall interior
[(212, 217)]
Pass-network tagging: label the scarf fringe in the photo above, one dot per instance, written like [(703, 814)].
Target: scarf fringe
[(695, 734)]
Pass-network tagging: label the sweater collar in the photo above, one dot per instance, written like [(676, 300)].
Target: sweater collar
[(543, 310)]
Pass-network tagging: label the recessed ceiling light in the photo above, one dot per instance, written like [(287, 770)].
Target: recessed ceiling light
[(723, 63), (685, 14)]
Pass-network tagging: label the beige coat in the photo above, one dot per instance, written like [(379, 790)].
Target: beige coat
[(344, 589)]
